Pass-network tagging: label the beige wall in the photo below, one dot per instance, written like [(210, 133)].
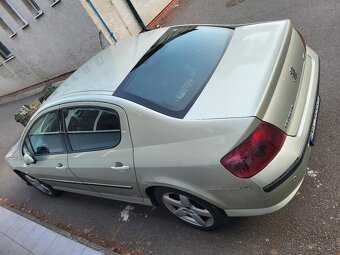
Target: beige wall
[(119, 18), (64, 37), (59, 41)]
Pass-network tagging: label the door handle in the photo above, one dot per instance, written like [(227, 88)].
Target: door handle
[(120, 166), (61, 167)]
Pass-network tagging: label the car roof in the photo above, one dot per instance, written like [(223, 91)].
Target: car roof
[(106, 70)]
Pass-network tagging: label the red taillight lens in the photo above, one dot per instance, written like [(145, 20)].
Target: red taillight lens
[(302, 39), (256, 152)]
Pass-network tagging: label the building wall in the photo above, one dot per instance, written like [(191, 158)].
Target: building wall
[(57, 42), (119, 17)]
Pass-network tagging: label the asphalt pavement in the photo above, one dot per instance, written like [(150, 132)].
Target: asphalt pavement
[(309, 224)]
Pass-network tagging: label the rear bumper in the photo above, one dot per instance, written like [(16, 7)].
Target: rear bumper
[(277, 187), (282, 178), (266, 210)]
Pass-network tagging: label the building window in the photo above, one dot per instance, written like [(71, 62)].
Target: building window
[(53, 2), (5, 26), (9, 6), (5, 53), (33, 7)]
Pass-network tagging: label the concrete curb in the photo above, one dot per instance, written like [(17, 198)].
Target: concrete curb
[(62, 232)]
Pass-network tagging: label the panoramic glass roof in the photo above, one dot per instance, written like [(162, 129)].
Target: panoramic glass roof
[(172, 74)]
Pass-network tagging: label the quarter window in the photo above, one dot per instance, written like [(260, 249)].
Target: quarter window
[(44, 137), (92, 128)]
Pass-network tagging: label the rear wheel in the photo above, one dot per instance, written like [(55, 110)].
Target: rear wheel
[(41, 186), (190, 209)]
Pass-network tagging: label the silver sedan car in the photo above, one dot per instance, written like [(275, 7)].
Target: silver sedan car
[(208, 121)]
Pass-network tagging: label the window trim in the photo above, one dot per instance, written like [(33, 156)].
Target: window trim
[(70, 150), (5, 61), (32, 4), (60, 132), (6, 58), (8, 27), (14, 9), (54, 3)]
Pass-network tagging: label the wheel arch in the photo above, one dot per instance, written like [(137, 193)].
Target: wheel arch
[(20, 174), (204, 195), (216, 216), (150, 192)]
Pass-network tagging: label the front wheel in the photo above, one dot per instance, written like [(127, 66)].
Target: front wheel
[(190, 209), (41, 186)]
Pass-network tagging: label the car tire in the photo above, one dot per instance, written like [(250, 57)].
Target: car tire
[(41, 186), (190, 209)]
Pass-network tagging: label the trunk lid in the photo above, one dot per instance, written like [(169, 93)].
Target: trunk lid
[(254, 77)]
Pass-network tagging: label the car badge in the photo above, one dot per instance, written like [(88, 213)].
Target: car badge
[(290, 113), (293, 74)]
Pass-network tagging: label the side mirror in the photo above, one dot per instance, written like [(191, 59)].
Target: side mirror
[(28, 159)]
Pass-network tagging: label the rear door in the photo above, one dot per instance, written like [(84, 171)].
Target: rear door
[(100, 149)]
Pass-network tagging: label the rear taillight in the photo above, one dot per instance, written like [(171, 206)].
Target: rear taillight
[(256, 152), (302, 39)]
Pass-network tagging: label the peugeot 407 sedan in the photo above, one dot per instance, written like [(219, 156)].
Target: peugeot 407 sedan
[(208, 121)]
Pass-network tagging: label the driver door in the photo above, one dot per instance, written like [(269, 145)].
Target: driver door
[(44, 141)]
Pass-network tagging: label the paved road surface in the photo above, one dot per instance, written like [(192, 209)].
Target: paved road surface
[(307, 225)]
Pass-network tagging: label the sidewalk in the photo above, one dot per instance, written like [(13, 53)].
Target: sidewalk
[(21, 236)]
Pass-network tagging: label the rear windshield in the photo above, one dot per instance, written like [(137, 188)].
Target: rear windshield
[(173, 73)]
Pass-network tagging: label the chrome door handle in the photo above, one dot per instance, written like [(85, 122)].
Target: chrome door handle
[(120, 166), (60, 167)]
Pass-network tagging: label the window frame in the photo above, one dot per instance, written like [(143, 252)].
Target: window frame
[(7, 27), (54, 3), (15, 11), (60, 133), (32, 6), (5, 57), (66, 136)]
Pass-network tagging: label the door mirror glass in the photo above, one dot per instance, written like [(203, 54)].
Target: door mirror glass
[(28, 159)]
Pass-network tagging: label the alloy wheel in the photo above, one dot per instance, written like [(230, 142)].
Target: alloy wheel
[(188, 209)]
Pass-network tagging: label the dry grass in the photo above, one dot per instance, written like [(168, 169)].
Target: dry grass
[(232, 3)]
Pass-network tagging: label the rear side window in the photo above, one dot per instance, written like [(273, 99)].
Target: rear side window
[(173, 73), (44, 137), (92, 128)]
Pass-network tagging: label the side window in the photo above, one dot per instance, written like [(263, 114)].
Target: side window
[(92, 128), (44, 137)]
